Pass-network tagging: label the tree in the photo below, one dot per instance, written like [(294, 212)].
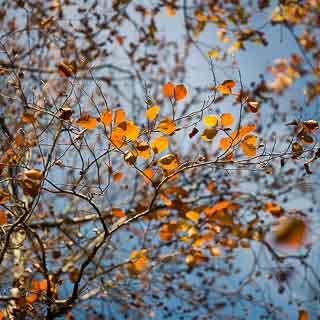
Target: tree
[(128, 190)]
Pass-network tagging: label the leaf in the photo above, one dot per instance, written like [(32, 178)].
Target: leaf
[(291, 232), (227, 119), (117, 212), (117, 136), (4, 196), (210, 120), (66, 69), (117, 176), (305, 138), (138, 262), (171, 12), (311, 125), (180, 92), (34, 174), (193, 132), (214, 53), (168, 162), (3, 218), (2, 315), (168, 89), (65, 113), (86, 121), (303, 315), (208, 134), (132, 131), (119, 116), (148, 174), (167, 126), (193, 215), (167, 231), (159, 144), (130, 157), (152, 112), (253, 106), (248, 145), (297, 149), (106, 117), (226, 86), (274, 209)]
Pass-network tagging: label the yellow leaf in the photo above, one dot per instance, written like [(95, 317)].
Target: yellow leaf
[(119, 116), (210, 120), (227, 119), (226, 86), (159, 144), (138, 262), (87, 122), (208, 134), (132, 131), (152, 112), (193, 215), (167, 126), (106, 117), (168, 162), (214, 53), (168, 89), (180, 92)]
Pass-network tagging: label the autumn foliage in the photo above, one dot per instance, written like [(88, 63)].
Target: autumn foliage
[(148, 171)]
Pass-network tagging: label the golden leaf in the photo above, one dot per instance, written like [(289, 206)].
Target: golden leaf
[(106, 117), (87, 122), (210, 120), (226, 86), (152, 112), (159, 144), (167, 126), (227, 119), (168, 162), (208, 134)]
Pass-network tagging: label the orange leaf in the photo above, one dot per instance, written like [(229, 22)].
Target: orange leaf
[(167, 126), (119, 116), (2, 315), (148, 173), (152, 112), (171, 12), (87, 122), (193, 215), (180, 92), (226, 86), (117, 212), (117, 176), (132, 131), (303, 315), (159, 144), (106, 117), (168, 89), (227, 119), (3, 217), (291, 232), (116, 137), (274, 209), (248, 149), (138, 262)]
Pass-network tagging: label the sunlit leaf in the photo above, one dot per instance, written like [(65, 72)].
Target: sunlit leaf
[(3, 217), (167, 231), (208, 134), (168, 89), (130, 157), (117, 176), (138, 262), (117, 212), (311, 125), (152, 112), (253, 106), (274, 209), (148, 173), (226, 86), (132, 131), (117, 136), (180, 92), (159, 144), (106, 117), (86, 121), (303, 315), (119, 116), (34, 174), (171, 12), (305, 138), (210, 120), (193, 215), (167, 126), (214, 53), (291, 232), (227, 119), (168, 162), (66, 69)]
